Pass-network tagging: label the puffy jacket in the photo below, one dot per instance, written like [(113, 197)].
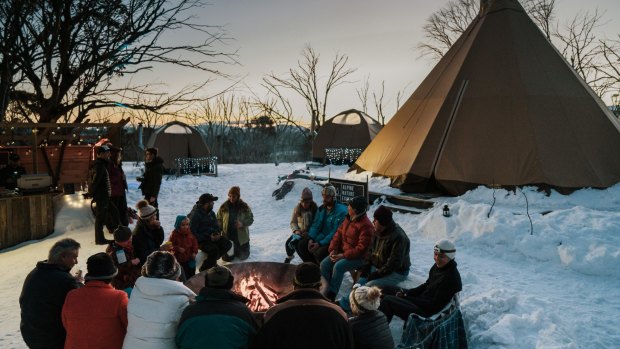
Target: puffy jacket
[(187, 241), (153, 313), (389, 253), (145, 241), (243, 214), (219, 319), (151, 181), (95, 317), (371, 331), (302, 219), (41, 300), (352, 237), (325, 223), (442, 284), (203, 224)]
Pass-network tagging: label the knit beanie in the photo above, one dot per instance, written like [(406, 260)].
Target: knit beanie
[(219, 277), (307, 275), (364, 298), (100, 266), (178, 221), (145, 211), (122, 234), (235, 191), (161, 265), (383, 215), (447, 247), (306, 194), (329, 190), (358, 204)]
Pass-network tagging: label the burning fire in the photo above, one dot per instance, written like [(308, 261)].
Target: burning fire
[(261, 296)]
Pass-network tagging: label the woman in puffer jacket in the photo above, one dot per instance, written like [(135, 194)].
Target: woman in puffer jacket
[(156, 304), (369, 326)]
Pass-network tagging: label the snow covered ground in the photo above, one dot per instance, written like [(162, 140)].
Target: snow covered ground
[(551, 283)]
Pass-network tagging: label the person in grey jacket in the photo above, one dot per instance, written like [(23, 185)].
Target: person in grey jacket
[(369, 326)]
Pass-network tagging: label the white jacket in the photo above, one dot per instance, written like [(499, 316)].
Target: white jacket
[(153, 313)]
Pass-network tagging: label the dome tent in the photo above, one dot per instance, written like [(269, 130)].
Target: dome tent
[(349, 132), (177, 140)]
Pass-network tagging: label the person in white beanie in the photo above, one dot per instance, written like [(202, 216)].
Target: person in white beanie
[(443, 282), (148, 235), (369, 326)]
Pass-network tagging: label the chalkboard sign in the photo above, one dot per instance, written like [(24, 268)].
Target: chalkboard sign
[(347, 190)]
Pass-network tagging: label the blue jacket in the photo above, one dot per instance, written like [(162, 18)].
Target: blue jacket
[(326, 223)]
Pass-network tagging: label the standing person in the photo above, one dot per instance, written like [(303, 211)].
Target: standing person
[(121, 251), (156, 304), (184, 245), (304, 318), (205, 227), (151, 180), (43, 296), (101, 190), (301, 220), (219, 319), (388, 261), (95, 316), (12, 171), (328, 218), (148, 235), (348, 247), (369, 326), (235, 216), (444, 281), (118, 183)]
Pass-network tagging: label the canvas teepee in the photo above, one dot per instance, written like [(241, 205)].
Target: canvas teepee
[(349, 131), (501, 108)]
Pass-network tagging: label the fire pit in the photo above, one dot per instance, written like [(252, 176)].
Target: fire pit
[(261, 282)]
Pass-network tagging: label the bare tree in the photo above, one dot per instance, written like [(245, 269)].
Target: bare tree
[(610, 69), (362, 94), (378, 100), (305, 80), (72, 54)]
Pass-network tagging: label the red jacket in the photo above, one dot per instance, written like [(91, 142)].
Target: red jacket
[(185, 240), (352, 237), (95, 316)]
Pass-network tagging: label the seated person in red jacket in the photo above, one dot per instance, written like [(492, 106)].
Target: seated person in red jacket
[(184, 245), (128, 265), (443, 282), (95, 316)]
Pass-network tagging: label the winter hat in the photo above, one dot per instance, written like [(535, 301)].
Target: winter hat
[(206, 197), (235, 191), (307, 275), (219, 277), (383, 215), (179, 220), (359, 204), (329, 190), (447, 247), (161, 265), (364, 298), (306, 194), (100, 266), (145, 211), (122, 234)]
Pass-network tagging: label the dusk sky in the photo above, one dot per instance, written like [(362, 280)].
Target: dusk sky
[(380, 38)]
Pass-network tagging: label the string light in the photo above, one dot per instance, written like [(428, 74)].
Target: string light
[(204, 165), (340, 156)]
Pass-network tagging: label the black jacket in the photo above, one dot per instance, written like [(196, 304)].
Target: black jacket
[(41, 301), (99, 180), (146, 241), (305, 319), (441, 285), (371, 331), (151, 181), (389, 253), (203, 224)]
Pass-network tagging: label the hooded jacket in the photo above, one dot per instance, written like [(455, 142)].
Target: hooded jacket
[(203, 223), (244, 215), (151, 182)]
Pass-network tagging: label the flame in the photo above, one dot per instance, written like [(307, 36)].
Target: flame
[(261, 296)]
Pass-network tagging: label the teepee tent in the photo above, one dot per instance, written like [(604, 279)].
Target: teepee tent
[(502, 108), (344, 136), (177, 140)]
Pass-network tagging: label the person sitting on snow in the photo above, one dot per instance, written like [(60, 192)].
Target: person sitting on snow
[(121, 251), (328, 218), (205, 227), (148, 235), (348, 247), (220, 318), (304, 318), (444, 281), (184, 245), (235, 216), (301, 220)]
